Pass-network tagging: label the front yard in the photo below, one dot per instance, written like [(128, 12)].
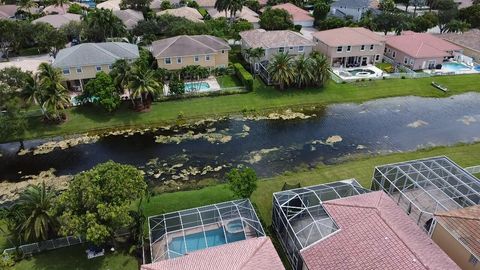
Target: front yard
[(84, 119)]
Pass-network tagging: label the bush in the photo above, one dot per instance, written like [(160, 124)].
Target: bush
[(244, 75), (242, 181), (102, 92), (176, 86), (75, 9)]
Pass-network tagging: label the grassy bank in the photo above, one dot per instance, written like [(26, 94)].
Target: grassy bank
[(360, 168), (264, 98)]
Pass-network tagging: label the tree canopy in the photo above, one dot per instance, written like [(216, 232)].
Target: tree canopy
[(242, 181), (276, 19), (102, 92)]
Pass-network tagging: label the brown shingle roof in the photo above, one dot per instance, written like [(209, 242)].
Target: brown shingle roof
[(353, 36), (274, 39), (374, 233), (470, 39), (188, 13), (464, 224), (188, 45), (252, 254), (58, 20)]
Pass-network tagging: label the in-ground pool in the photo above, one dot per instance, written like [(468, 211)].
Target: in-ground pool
[(477, 68), (179, 247), (234, 226), (454, 66), (361, 72), (197, 87)]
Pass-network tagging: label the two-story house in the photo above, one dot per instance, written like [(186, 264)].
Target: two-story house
[(353, 8), (350, 46), (82, 62), (181, 51)]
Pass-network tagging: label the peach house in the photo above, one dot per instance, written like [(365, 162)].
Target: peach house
[(419, 50)]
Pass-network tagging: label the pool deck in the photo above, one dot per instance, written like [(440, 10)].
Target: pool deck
[(377, 75), (211, 80)]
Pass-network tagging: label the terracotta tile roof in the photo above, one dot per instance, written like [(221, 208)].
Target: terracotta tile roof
[(246, 14), (297, 13), (470, 39), (188, 13), (464, 224), (7, 11), (188, 45), (274, 39), (374, 234), (110, 4), (252, 254), (421, 45), (353, 36)]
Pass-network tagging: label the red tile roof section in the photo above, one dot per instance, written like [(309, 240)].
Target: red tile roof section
[(353, 36), (251, 254), (297, 13), (374, 234), (464, 224), (421, 45)]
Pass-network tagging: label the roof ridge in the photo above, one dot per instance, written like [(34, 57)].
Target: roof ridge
[(96, 45), (447, 215), (205, 45), (174, 39), (264, 240)]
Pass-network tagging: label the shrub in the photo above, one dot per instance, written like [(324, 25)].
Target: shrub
[(176, 86), (244, 75), (75, 9), (242, 181)]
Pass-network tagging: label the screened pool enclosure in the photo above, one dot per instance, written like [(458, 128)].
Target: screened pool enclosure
[(427, 186), (179, 233), (299, 218)]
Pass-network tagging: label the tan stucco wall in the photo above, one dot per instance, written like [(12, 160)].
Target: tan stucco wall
[(216, 60), (453, 248), (271, 52), (88, 72), (331, 52)]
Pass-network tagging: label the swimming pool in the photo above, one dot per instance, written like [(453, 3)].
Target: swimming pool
[(179, 247), (197, 87), (454, 66)]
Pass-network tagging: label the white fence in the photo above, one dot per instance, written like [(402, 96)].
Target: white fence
[(473, 169), (33, 248)]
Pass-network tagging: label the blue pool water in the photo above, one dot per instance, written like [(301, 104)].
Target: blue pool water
[(477, 68), (196, 241), (453, 66), (196, 86)]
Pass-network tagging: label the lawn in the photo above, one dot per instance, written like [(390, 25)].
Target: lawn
[(360, 168), (85, 119), (226, 81), (75, 258)]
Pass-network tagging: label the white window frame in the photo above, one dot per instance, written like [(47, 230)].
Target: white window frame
[(291, 48), (372, 47), (412, 61), (98, 68), (196, 58), (473, 260), (377, 57), (223, 51), (394, 54), (66, 71), (79, 70), (301, 48), (405, 60), (281, 49), (349, 48), (167, 61), (207, 57), (341, 49), (362, 48), (179, 60)]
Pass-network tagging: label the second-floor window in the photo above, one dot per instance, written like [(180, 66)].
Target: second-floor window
[(196, 58), (179, 60), (371, 47), (301, 48), (394, 54), (66, 71), (339, 49), (281, 49), (79, 70), (473, 260), (362, 48), (349, 48), (168, 61), (207, 57), (98, 68)]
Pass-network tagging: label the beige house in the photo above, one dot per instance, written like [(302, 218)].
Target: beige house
[(181, 51), (469, 41), (129, 17), (82, 62), (245, 14), (58, 20), (350, 46), (188, 13), (457, 232)]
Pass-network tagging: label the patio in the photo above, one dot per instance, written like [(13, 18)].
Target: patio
[(358, 73)]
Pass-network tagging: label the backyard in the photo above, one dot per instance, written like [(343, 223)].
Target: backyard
[(85, 119), (360, 168)]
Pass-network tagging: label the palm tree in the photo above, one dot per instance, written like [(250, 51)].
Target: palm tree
[(60, 2), (221, 5), (320, 69), (281, 70), (120, 72), (143, 85), (253, 55), (233, 6), (27, 5), (303, 71), (102, 23), (36, 203)]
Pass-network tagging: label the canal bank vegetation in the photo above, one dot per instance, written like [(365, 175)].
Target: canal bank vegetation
[(262, 99), (360, 167)]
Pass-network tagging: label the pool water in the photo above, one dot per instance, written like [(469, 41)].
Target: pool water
[(355, 71), (477, 68), (179, 247), (454, 66), (197, 87)]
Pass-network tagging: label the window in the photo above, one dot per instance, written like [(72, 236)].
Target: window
[(207, 57), (412, 62), (66, 71), (301, 48), (179, 60), (377, 57), (473, 260), (291, 48), (110, 67), (196, 58), (98, 68), (339, 49), (281, 49), (79, 70), (362, 48), (371, 47), (167, 61), (349, 48), (394, 54), (385, 50), (223, 51), (405, 60)]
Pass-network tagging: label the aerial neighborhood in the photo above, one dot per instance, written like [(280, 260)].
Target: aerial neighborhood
[(240, 134)]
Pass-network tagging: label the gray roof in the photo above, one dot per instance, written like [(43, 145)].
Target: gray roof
[(188, 45), (469, 39), (89, 54), (58, 20), (274, 39), (129, 17), (355, 3)]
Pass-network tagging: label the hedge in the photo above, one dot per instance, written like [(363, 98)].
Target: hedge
[(244, 76)]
